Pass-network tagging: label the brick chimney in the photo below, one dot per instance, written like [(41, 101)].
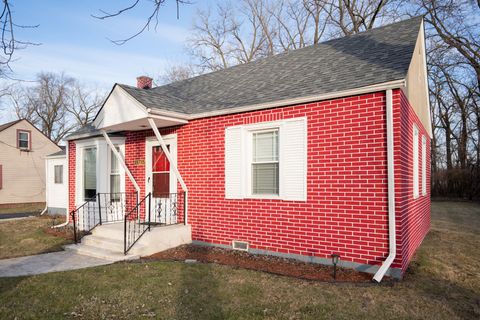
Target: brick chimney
[(144, 82)]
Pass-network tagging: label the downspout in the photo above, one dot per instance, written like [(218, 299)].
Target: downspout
[(172, 164), (122, 162), (391, 192)]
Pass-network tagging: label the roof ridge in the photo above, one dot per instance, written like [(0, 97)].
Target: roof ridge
[(363, 33)]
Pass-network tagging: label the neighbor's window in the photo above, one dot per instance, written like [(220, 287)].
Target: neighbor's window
[(114, 176), (424, 165), (58, 174), (89, 173), (265, 162), (415, 162), (23, 139)]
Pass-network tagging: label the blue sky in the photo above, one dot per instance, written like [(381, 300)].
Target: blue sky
[(75, 43)]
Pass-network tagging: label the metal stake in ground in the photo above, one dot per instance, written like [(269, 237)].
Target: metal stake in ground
[(335, 258)]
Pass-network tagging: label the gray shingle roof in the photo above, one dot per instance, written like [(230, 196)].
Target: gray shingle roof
[(8, 124), (59, 153), (376, 56)]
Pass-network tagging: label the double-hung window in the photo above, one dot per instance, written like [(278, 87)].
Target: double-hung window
[(424, 166), (89, 173), (415, 162), (265, 162), (58, 174), (23, 140), (114, 176)]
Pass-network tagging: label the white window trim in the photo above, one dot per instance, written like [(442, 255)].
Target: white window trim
[(55, 172), (247, 158), (29, 135), (415, 156), (424, 165), (103, 173), (248, 138)]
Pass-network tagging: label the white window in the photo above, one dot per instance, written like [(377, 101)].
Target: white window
[(265, 164), (267, 160), (89, 173), (415, 162), (424, 165), (58, 174), (23, 140), (114, 176)]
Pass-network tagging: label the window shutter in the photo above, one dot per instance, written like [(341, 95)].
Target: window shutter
[(233, 163), (293, 160)]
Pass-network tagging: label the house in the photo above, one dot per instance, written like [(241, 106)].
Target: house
[(56, 192), (23, 149), (308, 153)]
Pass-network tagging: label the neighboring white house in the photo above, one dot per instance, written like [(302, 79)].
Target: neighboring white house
[(56, 183), (23, 149)]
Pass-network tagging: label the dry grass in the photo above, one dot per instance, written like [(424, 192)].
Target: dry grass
[(25, 237), (25, 208), (443, 283)]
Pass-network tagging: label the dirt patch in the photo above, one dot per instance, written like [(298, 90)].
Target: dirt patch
[(62, 232), (270, 264)]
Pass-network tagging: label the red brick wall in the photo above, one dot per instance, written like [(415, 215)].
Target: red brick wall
[(346, 203), (71, 175), (346, 207), (413, 215)]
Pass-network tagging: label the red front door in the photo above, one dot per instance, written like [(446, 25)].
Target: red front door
[(160, 173)]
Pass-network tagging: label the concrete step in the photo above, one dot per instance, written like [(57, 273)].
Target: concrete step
[(100, 252), (102, 242), (112, 231)]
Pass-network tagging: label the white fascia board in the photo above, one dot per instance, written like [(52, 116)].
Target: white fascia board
[(280, 103)]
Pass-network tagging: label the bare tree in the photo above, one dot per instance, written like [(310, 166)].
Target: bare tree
[(83, 103), (151, 21), (56, 104), (176, 73), (8, 41)]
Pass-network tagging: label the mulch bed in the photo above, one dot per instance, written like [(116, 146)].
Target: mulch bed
[(63, 232), (270, 264)]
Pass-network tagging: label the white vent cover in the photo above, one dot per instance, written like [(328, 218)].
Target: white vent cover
[(240, 245)]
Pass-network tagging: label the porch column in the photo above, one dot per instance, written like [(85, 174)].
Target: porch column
[(172, 164), (122, 162)]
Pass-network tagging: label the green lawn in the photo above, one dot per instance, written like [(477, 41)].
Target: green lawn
[(443, 283), (25, 237)]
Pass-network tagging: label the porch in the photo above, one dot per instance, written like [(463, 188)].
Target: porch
[(115, 226)]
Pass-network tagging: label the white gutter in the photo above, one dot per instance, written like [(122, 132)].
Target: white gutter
[(391, 192), (172, 163), (122, 162)]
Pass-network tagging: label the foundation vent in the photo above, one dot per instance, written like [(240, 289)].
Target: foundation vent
[(240, 245)]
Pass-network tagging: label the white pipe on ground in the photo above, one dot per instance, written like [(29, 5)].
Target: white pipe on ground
[(391, 192)]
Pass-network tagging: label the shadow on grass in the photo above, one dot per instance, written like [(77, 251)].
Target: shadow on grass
[(199, 296)]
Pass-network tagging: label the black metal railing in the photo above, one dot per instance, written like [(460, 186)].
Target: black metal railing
[(114, 206), (137, 222), (85, 218), (169, 209)]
